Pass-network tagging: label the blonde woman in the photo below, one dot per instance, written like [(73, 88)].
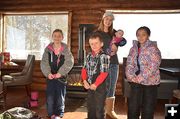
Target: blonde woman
[(106, 30)]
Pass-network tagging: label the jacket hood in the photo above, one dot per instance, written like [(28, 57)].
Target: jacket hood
[(147, 43), (50, 46)]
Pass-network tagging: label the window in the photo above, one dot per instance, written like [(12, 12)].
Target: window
[(30, 33), (164, 26)]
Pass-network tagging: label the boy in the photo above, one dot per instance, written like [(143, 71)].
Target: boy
[(94, 75)]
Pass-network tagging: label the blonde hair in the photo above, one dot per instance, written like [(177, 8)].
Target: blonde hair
[(101, 27)]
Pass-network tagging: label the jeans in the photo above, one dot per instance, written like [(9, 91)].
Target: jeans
[(96, 101), (55, 93), (112, 79), (142, 101)]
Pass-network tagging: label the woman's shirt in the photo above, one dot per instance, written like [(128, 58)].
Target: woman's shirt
[(107, 40), (149, 58)]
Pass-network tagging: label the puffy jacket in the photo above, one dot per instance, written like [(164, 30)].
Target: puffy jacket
[(68, 60), (149, 60)]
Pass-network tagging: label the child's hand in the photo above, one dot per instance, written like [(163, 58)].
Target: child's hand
[(86, 84), (50, 76), (58, 75), (93, 87), (135, 80)]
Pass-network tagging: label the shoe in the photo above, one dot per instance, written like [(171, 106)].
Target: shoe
[(110, 107), (57, 117), (176, 93), (53, 117), (61, 115)]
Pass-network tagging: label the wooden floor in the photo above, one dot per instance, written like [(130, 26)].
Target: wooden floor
[(75, 107)]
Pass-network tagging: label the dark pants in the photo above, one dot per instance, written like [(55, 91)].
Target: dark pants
[(96, 102), (142, 101), (55, 93)]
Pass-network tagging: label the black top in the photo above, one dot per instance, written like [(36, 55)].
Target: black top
[(107, 40), (53, 62)]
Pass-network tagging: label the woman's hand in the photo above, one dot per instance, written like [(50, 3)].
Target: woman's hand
[(50, 76), (86, 84), (113, 49), (93, 87)]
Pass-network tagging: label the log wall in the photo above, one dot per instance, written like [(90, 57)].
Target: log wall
[(83, 12)]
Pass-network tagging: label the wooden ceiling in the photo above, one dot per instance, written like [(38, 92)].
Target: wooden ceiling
[(57, 5)]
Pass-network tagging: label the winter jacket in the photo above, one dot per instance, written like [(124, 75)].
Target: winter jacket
[(65, 60), (149, 60)]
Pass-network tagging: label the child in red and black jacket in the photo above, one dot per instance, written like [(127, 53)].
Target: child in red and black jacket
[(94, 76), (56, 62)]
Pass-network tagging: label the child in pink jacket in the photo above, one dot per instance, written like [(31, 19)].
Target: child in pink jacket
[(142, 71)]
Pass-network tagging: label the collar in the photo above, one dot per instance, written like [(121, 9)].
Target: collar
[(96, 54), (50, 47)]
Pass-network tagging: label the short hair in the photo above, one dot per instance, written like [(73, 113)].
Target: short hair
[(95, 35), (145, 28), (58, 30), (120, 30)]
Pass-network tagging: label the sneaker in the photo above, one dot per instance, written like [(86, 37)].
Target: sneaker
[(57, 117), (53, 117), (61, 115)]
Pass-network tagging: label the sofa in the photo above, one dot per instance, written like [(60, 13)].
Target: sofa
[(167, 85)]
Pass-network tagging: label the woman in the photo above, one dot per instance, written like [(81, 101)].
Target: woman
[(107, 32), (56, 62)]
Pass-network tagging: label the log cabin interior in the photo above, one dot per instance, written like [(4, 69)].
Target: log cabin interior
[(35, 20)]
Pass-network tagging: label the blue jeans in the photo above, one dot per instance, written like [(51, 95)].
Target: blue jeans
[(112, 79), (55, 93)]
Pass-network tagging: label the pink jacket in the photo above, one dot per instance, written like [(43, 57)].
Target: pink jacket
[(149, 60)]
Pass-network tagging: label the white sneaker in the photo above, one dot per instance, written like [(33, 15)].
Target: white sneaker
[(57, 117)]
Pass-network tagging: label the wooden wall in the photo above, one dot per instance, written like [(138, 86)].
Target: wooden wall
[(83, 12)]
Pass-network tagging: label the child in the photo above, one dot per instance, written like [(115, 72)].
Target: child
[(94, 75), (118, 40), (56, 62), (142, 71)]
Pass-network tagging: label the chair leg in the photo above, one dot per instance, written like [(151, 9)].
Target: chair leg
[(4, 97), (28, 90), (125, 100)]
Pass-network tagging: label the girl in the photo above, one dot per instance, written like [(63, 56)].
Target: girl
[(142, 71), (106, 30), (56, 62)]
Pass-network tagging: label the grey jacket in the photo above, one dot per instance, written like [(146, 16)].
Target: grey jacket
[(65, 68)]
